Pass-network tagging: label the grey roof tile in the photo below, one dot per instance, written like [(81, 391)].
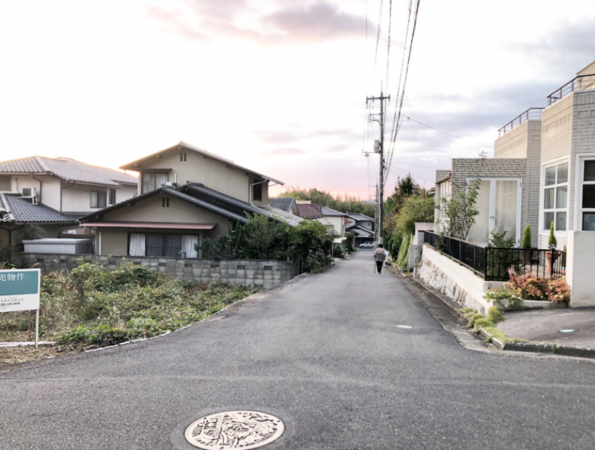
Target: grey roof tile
[(22, 211), (68, 169), (331, 212)]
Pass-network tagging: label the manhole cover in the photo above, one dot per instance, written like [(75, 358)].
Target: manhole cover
[(234, 429)]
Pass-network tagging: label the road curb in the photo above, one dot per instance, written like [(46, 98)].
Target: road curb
[(543, 348)]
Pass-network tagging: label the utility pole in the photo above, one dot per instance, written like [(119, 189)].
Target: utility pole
[(380, 120)]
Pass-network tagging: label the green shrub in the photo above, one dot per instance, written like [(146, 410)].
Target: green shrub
[(552, 241), (527, 237), (403, 258)]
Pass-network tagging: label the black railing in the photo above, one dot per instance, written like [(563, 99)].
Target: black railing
[(580, 83), (530, 114), (493, 263)]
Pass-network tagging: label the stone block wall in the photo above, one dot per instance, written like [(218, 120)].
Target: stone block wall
[(241, 272)]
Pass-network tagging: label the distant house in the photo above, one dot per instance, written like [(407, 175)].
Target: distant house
[(309, 210), (334, 220), (185, 196), (54, 192), (362, 226)]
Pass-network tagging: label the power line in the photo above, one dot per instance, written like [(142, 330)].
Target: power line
[(405, 80), (390, 22), (441, 131), (378, 33)]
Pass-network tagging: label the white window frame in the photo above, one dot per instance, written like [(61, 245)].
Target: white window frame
[(542, 187), (492, 205), (578, 189)]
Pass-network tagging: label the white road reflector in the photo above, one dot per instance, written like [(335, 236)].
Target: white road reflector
[(403, 326), (566, 331)]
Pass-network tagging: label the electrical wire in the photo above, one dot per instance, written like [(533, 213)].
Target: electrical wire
[(390, 23), (441, 131), (378, 33), (402, 97)]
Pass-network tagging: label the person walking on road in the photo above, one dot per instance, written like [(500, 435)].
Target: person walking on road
[(379, 257)]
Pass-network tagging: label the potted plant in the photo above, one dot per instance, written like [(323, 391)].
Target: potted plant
[(552, 255), (526, 254)]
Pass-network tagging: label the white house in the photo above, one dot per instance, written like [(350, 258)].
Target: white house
[(54, 192)]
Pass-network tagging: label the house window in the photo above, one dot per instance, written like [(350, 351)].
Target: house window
[(555, 197), (588, 195), (154, 180), (98, 199), (257, 192), (182, 156), (112, 196), (162, 244), (5, 183), (165, 202)]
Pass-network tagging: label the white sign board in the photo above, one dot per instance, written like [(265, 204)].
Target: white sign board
[(19, 290)]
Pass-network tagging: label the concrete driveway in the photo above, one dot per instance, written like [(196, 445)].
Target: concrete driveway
[(347, 359)]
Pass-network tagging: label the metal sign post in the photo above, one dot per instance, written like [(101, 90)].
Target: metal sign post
[(19, 291)]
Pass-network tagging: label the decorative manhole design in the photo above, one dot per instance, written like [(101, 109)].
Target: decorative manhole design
[(234, 429)]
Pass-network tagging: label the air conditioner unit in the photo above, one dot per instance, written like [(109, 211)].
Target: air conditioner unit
[(30, 193)]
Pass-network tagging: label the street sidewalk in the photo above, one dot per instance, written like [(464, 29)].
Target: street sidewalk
[(569, 327)]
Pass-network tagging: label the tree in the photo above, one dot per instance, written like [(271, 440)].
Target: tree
[(460, 210), (415, 209)]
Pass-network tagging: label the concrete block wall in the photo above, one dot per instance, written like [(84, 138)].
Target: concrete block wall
[(241, 272), (440, 174)]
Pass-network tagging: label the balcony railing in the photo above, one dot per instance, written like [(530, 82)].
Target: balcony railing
[(530, 114), (493, 263), (580, 83)]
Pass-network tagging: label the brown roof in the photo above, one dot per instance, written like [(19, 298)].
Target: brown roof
[(309, 211)]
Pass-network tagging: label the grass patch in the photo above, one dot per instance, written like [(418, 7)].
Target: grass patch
[(93, 307), (497, 333)]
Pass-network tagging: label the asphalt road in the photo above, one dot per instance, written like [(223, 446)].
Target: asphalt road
[(330, 357)]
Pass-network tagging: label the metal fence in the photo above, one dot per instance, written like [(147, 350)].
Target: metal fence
[(530, 114), (493, 263), (579, 83)]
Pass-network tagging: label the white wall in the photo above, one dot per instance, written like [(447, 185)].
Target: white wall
[(78, 198), (454, 280), (125, 193), (580, 261), (49, 191)]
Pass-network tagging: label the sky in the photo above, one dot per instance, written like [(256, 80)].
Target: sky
[(280, 86)]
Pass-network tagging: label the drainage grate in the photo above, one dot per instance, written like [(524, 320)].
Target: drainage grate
[(188, 265), (111, 262), (40, 260), (214, 266), (234, 429), (268, 267), (162, 264), (240, 267)]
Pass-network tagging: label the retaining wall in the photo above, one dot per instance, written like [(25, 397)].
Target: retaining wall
[(243, 272), (455, 280)]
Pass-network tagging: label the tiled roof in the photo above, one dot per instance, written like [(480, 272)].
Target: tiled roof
[(360, 217), (291, 219), (134, 164), (331, 212), (68, 169), (19, 210), (283, 203), (360, 231), (309, 210)]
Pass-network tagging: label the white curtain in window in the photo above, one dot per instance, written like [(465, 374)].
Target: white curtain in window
[(137, 244), (188, 242), (160, 178), (506, 207)]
